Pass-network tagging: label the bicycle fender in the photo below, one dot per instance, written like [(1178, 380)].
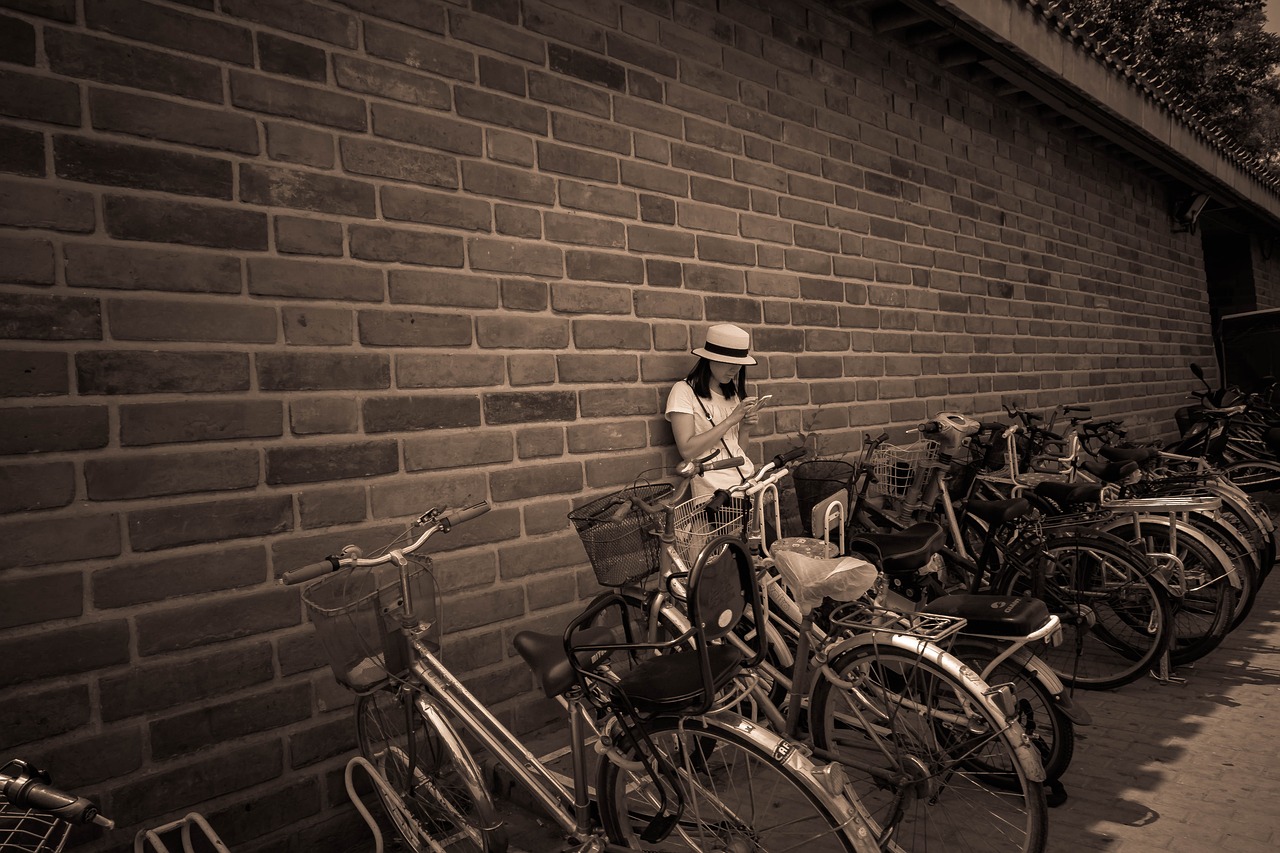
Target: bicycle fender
[(958, 669), (1048, 679)]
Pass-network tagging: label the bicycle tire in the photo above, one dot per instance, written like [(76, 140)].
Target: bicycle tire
[(1042, 719), (927, 752), (1116, 614), (1202, 613), (1243, 557), (446, 803), (1254, 475), (744, 788)]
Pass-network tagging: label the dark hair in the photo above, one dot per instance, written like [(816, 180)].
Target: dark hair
[(700, 378)]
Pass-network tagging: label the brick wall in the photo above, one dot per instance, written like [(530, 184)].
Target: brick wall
[(278, 274)]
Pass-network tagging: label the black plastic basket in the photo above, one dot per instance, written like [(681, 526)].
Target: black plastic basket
[(619, 549), (817, 480)]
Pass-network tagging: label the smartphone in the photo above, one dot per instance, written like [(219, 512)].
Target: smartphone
[(761, 402)]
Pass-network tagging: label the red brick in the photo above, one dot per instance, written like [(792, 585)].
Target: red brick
[(124, 372), (54, 318), (311, 463), (594, 367), (606, 200), (295, 144), (312, 280), (308, 236), (30, 716), (434, 208), (414, 328), (151, 320), (539, 369), (457, 451), (276, 97), (611, 334), (137, 582), (481, 30), (404, 246), (278, 55), (205, 420), (27, 261), (607, 437), (520, 295), (298, 16), (17, 41), (452, 370), (436, 56), (64, 651), (371, 78), (405, 413), (172, 525), (617, 402), (522, 332), (383, 160), (732, 309), (267, 185), (503, 182), (40, 598), (39, 98), (216, 723), (292, 371), (446, 289), (36, 486), (163, 221), (429, 130), (47, 429), (74, 54), (136, 268), (584, 230), (190, 784), (684, 306), (21, 152), (323, 416), (153, 118), (329, 507), (154, 475), (170, 28), (529, 406), (513, 221), (32, 205), (540, 442), (564, 160), (588, 66), (317, 326), (661, 241)]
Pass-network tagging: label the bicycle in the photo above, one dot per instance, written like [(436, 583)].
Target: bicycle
[(674, 772), (924, 743), (36, 817)]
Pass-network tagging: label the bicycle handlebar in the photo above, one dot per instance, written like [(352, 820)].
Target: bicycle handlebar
[(435, 521), (25, 787)]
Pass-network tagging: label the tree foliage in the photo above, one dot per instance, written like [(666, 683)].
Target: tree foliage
[(1212, 54)]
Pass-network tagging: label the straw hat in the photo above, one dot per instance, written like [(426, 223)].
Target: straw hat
[(728, 344)]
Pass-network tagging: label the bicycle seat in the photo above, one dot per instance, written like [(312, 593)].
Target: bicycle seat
[(995, 513), (1066, 494), (1129, 454), (904, 550), (993, 615), (1110, 472), (545, 655)]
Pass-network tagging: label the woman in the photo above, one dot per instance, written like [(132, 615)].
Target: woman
[(708, 408)]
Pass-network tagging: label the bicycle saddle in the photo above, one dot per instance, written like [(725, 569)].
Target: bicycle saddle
[(1066, 494), (1129, 454), (904, 550), (993, 615), (545, 655), (1110, 472), (995, 513)]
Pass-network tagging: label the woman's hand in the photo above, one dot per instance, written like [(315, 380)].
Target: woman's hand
[(744, 413)]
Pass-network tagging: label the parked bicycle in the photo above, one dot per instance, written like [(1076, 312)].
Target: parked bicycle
[(36, 817), (675, 771)]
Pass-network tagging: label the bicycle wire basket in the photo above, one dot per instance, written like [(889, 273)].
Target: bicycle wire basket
[(621, 550), (696, 525), (30, 831), (898, 468), (355, 614)]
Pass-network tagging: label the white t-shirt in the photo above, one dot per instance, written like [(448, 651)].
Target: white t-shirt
[(682, 399)]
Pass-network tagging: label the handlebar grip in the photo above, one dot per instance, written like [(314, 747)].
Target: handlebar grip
[(790, 456), (26, 792), (718, 499), (465, 514), (731, 462), (310, 572)]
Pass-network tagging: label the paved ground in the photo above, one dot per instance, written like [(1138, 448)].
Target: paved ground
[(1187, 767)]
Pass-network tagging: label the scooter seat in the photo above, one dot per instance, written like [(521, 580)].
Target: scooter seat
[(902, 551)]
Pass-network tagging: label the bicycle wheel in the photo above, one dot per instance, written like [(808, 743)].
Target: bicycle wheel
[(928, 754), (1254, 475), (1243, 558), (445, 803), (1051, 731), (743, 789), (1204, 607), (1116, 616)]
